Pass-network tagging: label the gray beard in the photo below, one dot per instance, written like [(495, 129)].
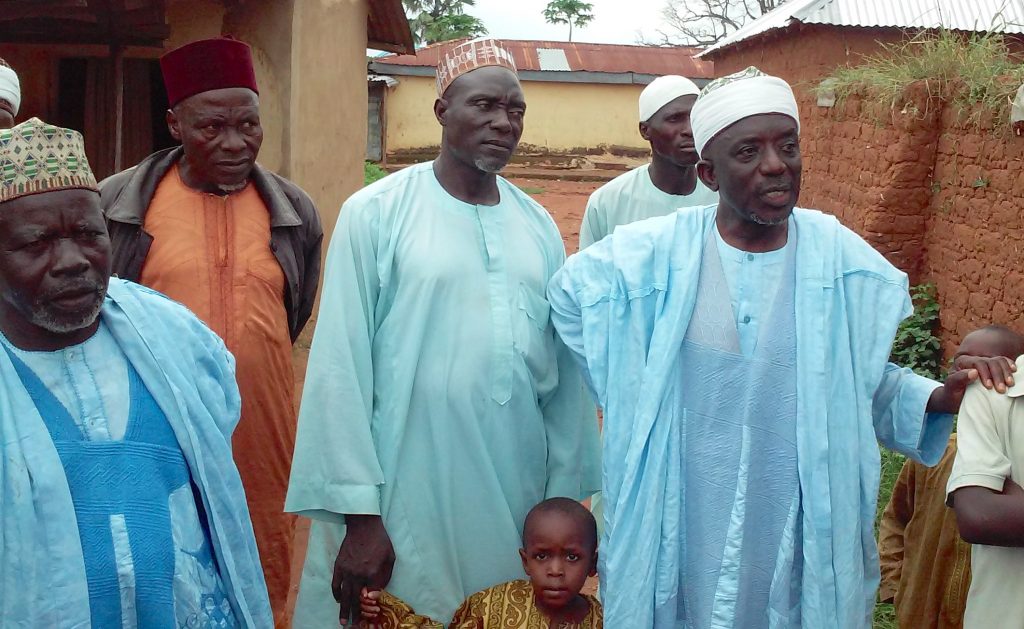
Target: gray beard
[(235, 188), (43, 318), (487, 166), (767, 222)]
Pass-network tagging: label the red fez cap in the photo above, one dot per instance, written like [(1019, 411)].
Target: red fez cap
[(207, 64)]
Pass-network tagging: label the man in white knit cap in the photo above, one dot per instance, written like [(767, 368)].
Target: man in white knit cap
[(669, 181), (740, 352), (10, 95)]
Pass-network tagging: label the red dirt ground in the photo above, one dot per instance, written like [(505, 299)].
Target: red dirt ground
[(565, 201)]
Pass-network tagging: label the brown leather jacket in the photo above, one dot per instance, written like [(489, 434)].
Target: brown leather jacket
[(295, 231)]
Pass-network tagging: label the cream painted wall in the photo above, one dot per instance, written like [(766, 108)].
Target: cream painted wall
[(559, 116), (327, 114), (264, 25), (193, 19)]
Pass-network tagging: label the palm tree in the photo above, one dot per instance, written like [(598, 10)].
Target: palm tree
[(571, 12)]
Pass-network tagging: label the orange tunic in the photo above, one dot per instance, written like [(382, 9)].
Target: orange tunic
[(212, 253)]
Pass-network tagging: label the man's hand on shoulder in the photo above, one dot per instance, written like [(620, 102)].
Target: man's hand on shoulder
[(365, 560), (994, 373)]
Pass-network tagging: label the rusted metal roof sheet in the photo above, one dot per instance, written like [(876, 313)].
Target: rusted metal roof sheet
[(387, 27), (1001, 16), (581, 57)]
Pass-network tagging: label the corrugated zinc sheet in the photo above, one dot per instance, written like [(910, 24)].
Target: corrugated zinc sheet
[(1006, 16), (962, 15), (612, 58)]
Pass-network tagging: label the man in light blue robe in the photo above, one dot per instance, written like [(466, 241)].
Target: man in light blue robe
[(669, 181), (120, 505), (439, 406), (740, 352)]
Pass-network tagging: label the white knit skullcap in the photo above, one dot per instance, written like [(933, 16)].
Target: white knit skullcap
[(662, 91), (10, 87), (725, 101)]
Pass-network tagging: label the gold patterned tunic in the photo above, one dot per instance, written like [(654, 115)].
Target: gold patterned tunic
[(507, 606)]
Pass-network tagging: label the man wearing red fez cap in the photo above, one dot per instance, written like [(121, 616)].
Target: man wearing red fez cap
[(240, 246), (438, 406)]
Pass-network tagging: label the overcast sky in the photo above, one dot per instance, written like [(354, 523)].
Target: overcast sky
[(615, 21)]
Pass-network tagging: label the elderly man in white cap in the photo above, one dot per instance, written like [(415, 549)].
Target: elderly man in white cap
[(669, 181), (10, 95), (740, 353), (439, 407)]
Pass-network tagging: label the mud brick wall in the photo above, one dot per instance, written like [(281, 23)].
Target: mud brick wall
[(974, 246), (941, 198)]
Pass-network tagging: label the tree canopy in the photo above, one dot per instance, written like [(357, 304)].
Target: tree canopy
[(571, 12), (435, 21)]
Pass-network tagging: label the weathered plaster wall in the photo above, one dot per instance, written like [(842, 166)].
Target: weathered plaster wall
[(327, 109), (939, 197), (804, 52), (193, 19), (560, 117), (265, 25)]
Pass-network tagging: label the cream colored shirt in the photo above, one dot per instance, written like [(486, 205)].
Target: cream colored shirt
[(990, 450)]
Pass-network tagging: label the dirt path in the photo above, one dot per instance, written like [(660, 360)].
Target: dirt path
[(565, 201)]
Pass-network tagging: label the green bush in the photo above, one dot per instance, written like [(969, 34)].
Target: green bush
[(372, 172), (916, 345)]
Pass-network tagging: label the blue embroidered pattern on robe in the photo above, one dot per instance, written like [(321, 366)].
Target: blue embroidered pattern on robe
[(137, 519)]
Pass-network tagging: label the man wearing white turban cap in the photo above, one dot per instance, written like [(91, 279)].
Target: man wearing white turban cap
[(739, 352), (10, 95), (669, 181)]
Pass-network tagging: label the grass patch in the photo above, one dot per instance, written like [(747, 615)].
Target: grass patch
[(531, 190), (974, 73), (372, 172)]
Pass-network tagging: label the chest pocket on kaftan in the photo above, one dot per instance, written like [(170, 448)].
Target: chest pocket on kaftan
[(532, 336)]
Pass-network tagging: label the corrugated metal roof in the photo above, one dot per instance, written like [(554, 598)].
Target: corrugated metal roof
[(387, 27), (610, 58), (1005, 16)]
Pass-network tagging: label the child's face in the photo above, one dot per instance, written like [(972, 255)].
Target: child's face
[(558, 558), (987, 343)]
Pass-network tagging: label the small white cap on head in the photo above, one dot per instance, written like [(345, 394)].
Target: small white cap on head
[(10, 87), (662, 91), (725, 101)]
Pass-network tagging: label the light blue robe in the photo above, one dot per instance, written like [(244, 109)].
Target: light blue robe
[(437, 394), (623, 306), (631, 197), (190, 375)]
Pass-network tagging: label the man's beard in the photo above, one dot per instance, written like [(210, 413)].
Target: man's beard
[(767, 222), (233, 188), (43, 316), (489, 166)]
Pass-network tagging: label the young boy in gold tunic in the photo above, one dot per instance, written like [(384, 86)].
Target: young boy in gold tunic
[(559, 552)]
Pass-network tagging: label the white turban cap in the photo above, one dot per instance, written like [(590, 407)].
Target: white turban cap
[(10, 87), (662, 91), (727, 100)]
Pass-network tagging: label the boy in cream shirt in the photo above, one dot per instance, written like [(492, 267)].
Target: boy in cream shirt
[(985, 492)]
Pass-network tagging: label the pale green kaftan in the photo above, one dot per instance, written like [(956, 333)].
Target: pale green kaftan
[(633, 197), (437, 393)]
